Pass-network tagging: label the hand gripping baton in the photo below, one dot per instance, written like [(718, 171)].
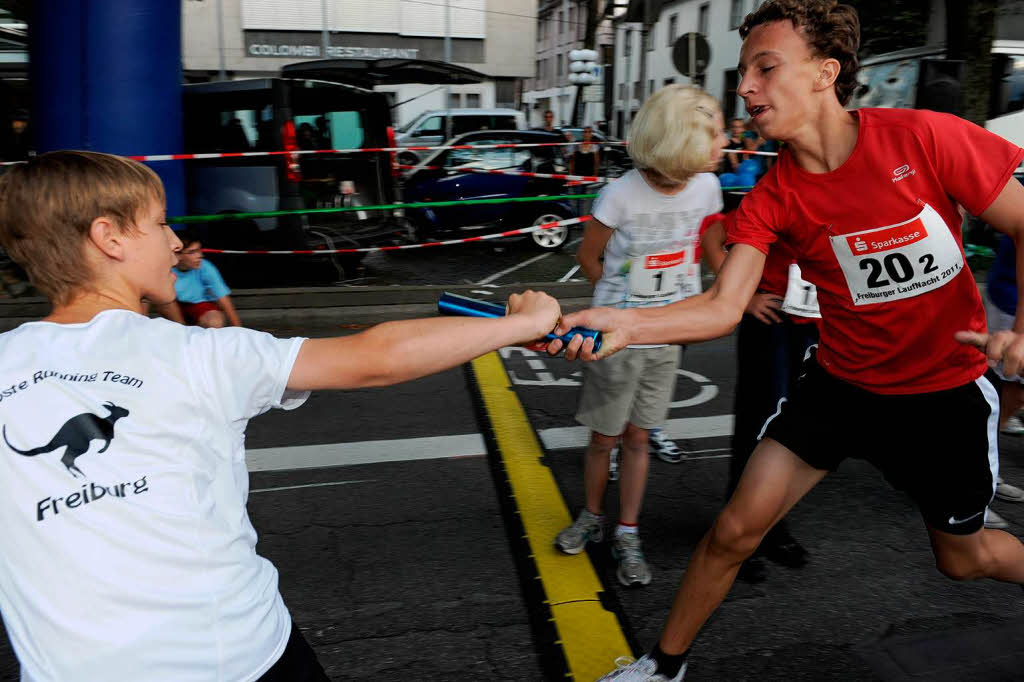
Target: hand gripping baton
[(453, 304)]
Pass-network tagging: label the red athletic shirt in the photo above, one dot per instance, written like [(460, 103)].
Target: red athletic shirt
[(880, 238)]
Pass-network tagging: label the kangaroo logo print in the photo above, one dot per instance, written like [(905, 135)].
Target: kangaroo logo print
[(76, 434)]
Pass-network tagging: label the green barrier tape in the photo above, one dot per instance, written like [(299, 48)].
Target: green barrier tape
[(382, 207), (979, 250), (737, 188)]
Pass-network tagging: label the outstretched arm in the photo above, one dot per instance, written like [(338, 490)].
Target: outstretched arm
[(394, 352), (1006, 214), (700, 318)]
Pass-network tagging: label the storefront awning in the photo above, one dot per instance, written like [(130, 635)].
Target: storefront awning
[(370, 72)]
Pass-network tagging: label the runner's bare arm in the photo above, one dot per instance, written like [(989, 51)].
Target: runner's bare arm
[(713, 246), (1006, 214), (394, 352), (595, 237), (700, 318)]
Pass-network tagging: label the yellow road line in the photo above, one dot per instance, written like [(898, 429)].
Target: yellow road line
[(590, 635)]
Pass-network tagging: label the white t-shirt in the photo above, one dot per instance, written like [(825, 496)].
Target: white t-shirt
[(650, 259), (127, 552)]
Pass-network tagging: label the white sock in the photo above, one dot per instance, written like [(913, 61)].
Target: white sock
[(626, 530)]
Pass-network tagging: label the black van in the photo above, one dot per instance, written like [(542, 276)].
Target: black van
[(291, 115)]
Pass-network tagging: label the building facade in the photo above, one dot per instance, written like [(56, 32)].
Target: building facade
[(255, 38), (561, 28), (716, 20)]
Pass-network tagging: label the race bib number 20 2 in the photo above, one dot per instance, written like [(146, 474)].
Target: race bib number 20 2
[(899, 261)]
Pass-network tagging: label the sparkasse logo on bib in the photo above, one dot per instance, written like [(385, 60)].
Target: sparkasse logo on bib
[(903, 172)]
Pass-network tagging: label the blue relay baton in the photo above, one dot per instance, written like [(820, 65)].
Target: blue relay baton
[(453, 304)]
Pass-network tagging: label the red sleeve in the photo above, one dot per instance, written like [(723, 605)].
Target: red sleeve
[(757, 219), (973, 164), (705, 224)]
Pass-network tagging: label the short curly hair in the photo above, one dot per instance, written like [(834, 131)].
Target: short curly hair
[(832, 31)]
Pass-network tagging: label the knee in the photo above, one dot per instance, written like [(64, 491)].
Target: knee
[(735, 534), (600, 444), (634, 438), (964, 565)]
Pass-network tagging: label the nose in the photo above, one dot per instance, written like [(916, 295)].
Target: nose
[(173, 240), (747, 84)]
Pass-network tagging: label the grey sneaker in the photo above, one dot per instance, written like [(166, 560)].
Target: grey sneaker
[(586, 528), (995, 521), (640, 671), (1010, 493), (664, 447), (633, 569), (613, 464)]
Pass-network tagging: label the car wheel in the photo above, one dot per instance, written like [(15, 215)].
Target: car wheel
[(553, 238)]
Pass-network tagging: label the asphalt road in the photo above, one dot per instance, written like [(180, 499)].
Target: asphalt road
[(380, 510)]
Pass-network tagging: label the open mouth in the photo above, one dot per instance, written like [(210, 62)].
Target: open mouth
[(757, 110)]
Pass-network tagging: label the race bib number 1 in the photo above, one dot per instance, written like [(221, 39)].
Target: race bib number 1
[(801, 296), (899, 261), (660, 277)]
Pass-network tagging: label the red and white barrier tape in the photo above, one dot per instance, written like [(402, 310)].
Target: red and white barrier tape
[(236, 155), (524, 174), (405, 247)]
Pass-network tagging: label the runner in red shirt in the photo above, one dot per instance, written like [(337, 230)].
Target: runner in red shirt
[(867, 202)]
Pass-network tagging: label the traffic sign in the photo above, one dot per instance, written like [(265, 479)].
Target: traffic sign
[(691, 54)]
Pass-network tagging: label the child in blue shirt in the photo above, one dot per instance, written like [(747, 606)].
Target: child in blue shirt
[(203, 297)]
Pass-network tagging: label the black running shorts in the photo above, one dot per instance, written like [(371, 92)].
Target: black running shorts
[(940, 447)]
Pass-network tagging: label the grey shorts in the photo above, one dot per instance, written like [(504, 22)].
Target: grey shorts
[(633, 386)]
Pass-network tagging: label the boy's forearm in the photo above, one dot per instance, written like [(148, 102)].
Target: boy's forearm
[(698, 318), (229, 311), (394, 352)]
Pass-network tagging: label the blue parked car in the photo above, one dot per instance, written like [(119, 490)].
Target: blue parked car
[(436, 179)]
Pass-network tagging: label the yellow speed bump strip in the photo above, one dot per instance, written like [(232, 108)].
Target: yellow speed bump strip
[(591, 637)]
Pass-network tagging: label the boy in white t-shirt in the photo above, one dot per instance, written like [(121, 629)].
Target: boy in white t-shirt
[(128, 553), (647, 226)]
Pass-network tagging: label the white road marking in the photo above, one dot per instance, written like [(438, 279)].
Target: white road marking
[(566, 276), (502, 273), (309, 485), (684, 427), (364, 452), (462, 445)]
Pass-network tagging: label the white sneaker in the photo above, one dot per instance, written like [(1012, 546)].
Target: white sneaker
[(1007, 492), (995, 521), (642, 670), (613, 464), (1013, 427)]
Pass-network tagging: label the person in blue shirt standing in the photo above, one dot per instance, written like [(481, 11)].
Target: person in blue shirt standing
[(202, 296)]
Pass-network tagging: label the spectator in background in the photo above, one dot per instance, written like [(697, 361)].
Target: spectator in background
[(730, 162), (546, 156), (202, 296), (1000, 309), (16, 143), (586, 159)]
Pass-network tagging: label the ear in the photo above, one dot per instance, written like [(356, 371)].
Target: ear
[(828, 72), (106, 236)]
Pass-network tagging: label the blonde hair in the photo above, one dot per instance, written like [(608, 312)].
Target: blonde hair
[(48, 205), (673, 132)]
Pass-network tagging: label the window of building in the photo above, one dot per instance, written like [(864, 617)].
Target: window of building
[(702, 18), (540, 63), (561, 64), (561, 24), (454, 100), (622, 91), (638, 92), (541, 25), (650, 87), (669, 81), (627, 42), (651, 37), (736, 14), (672, 27), (473, 100)]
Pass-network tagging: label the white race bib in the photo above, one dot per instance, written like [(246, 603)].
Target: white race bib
[(801, 296), (898, 261), (660, 277)]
